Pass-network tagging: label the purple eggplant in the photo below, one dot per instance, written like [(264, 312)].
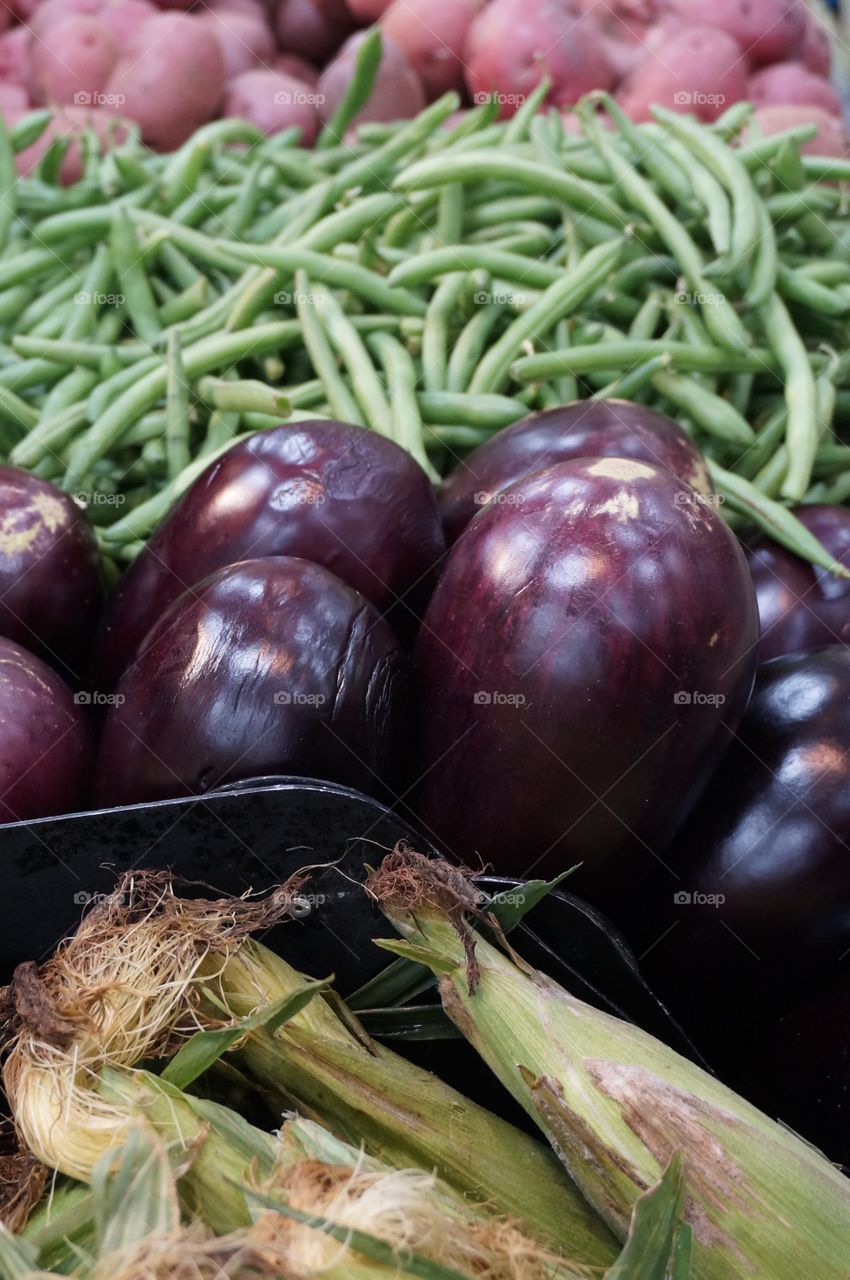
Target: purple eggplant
[(586, 655), (335, 494), (267, 666), (585, 429), (760, 890), (50, 591), (801, 606), (46, 744)]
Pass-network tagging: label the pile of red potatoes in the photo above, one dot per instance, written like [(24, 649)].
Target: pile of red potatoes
[(171, 66)]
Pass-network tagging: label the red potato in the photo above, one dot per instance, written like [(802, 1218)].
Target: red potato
[(831, 138), (766, 30), (791, 82), (816, 49), (273, 101), (697, 70), (309, 29), (512, 45), (245, 40), (432, 34), (121, 17), (15, 57), (109, 127), (170, 78), (397, 94), (72, 62), (289, 64), (625, 27), (13, 101), (23, 9), (5, 17)]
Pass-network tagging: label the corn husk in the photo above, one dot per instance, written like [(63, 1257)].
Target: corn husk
[(146, 970), (617, 1105)]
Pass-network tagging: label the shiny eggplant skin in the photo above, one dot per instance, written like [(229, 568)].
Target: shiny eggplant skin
[(587, 653), (765, 855), (801, 606), (329, 492), (50, 589), (583, 429), (46, 744), (269, 666)]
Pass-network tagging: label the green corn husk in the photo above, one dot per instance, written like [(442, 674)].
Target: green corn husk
[(616, 1104), (323, 1064)]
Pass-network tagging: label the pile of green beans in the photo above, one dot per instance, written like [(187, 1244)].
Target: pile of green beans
[(433, 280)]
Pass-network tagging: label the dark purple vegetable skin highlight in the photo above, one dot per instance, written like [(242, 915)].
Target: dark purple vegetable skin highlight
[(267, 666), (771, 835), (336, 494), (50, 590), (46, 746), (801, 606), (571, 666), (584, 429)]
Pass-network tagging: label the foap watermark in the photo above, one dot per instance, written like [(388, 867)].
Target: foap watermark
[(695, 698), (692, 497), (687, 98), (96, 499), (689, 298), (497, 698), (499, 298), (501, 99), (298, 98), (83, 898), (94, 698), (684, 898), (298, 493), (83, 98), (283, 298), (486, 498), (286, 699), (86, 299)]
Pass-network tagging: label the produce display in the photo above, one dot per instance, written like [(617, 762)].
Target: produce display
[(441, 412)]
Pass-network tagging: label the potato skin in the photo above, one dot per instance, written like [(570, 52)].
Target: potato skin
[(72, 62), (790, 82), (273, 101), (698, 70), (398, 92), (170, 79), (432, 35)]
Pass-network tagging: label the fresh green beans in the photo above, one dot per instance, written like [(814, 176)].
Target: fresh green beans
[(800, 396)]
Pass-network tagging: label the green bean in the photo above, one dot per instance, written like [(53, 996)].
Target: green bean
[(709, 192), (45, 304), (24, 132), (181, 269), (445, 301), (479, 166), (88, 354), (800, 396), (788, 206), (339, 396), (455, 436), (13, 301), (450, 214), (72, 389), (8, 184), (826, 168), (733, 119), (566, 386), (28, 266), (176, 408), (336, 271), (25, 374), (645, 324), (558, 302), (629, 384), (131, 277), (200, 358), (510, 266), (467, 351), (244, 395), (662, 166), (355, 357), (517, 127), (449, 408), (16, 410), (824, 272), (614, 355), (761, 151), (795, 286), (741, 388), (765, 270), (711, 412), (773, 518), (722, 321), (358, 90), (400, 372), (90, 297), (186, 304)]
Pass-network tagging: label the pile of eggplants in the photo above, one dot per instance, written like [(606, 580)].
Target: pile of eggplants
[(563, 658)]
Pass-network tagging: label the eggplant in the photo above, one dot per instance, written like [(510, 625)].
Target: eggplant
[(46, 743), (332, 493), (584, 429), (585, 658), (801, 606), (50, 588), (756, 909), (269, 666)]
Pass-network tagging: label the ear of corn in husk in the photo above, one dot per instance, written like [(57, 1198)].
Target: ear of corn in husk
[(616, 1104), (146, 970)]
